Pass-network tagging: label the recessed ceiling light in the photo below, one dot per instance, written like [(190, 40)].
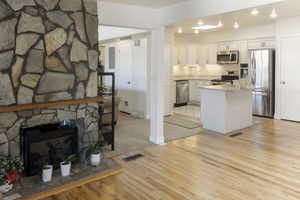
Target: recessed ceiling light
[(236, 25), (220, 24), (273, 14), (196, 32), (179, 30), (200, 22), (205, 27), (254, 12)]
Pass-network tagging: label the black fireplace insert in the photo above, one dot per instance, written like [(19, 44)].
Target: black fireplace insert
[(47, 144)]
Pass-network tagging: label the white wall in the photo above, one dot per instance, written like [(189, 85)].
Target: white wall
[(127, 15), (288, 26), (111, 32)]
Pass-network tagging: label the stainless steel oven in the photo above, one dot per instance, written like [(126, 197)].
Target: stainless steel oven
[(228, 57)]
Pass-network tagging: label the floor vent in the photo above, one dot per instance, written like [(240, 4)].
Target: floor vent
[(236, 134), (133, 157)]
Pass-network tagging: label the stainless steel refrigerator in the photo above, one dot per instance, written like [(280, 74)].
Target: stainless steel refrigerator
[(262, 76)]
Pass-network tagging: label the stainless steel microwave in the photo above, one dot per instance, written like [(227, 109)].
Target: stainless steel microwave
[(228, 57)]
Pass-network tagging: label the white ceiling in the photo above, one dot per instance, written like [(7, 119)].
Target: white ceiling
[(147, 3), (289, 8)]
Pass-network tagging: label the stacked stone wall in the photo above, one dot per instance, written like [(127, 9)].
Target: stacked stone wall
[(48, 52)]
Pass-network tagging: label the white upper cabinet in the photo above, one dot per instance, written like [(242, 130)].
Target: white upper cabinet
[(202, 55), (244, 53), (212, 53), (192, 54), (228, 46), (175, 58), (182, 54), (261, 44)]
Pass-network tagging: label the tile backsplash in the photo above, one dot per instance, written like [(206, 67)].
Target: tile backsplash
[(206, 70)]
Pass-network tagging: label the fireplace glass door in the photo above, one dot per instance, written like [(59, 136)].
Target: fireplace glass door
[(47, 144)]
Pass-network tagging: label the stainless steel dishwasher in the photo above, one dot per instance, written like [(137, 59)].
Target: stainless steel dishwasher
[(182, 93)]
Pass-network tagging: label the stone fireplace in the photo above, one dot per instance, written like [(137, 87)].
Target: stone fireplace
[(48, 53)]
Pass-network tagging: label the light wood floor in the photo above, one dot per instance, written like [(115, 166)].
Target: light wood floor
[(263, 163)]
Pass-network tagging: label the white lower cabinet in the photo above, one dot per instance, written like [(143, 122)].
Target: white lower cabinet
[(195, 94), (193, 90)]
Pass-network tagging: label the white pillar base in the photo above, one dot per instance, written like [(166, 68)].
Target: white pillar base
[(159, 141)]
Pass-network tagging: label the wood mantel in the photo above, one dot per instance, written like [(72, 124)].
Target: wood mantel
[(49, 105)]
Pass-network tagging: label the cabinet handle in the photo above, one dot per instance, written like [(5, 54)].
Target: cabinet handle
[(283, 82)]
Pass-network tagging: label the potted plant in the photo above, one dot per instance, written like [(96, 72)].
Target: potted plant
[(94, 150), (65, 166), (9, 169), (47, 173)]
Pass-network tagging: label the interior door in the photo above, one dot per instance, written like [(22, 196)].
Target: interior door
[(290, 78), (124, 77)]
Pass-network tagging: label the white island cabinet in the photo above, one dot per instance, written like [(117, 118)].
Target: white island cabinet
[(225, 109)]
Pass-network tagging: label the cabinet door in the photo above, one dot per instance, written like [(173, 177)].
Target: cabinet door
[(228, 46), (244, 53), (175, 55), (202, 55), (182, 55), (201, 83), (223, 46), (261, 44), (269, 43), (173, 92), (233, 46), (212, 53), (192, 54)]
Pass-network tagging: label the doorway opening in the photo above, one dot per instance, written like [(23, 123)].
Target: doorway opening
[(125, 52)]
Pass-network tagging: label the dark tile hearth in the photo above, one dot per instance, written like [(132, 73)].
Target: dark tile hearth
[(33, 186)]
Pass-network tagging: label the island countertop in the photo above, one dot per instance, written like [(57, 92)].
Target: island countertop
[(225, 88)]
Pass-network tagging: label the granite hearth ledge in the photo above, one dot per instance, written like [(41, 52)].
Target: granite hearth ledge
[(32, 188), (14, 108)]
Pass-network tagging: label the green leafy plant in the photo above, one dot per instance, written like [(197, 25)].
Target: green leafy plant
[(70, 158), (96, 147), (9, 167)]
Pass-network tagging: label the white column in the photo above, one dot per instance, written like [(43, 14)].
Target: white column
[(168, 65), (157, 75)]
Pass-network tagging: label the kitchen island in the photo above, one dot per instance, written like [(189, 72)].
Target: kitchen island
[(226, 108)]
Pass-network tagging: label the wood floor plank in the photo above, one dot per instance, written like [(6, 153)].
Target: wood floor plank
[(263, 163)]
